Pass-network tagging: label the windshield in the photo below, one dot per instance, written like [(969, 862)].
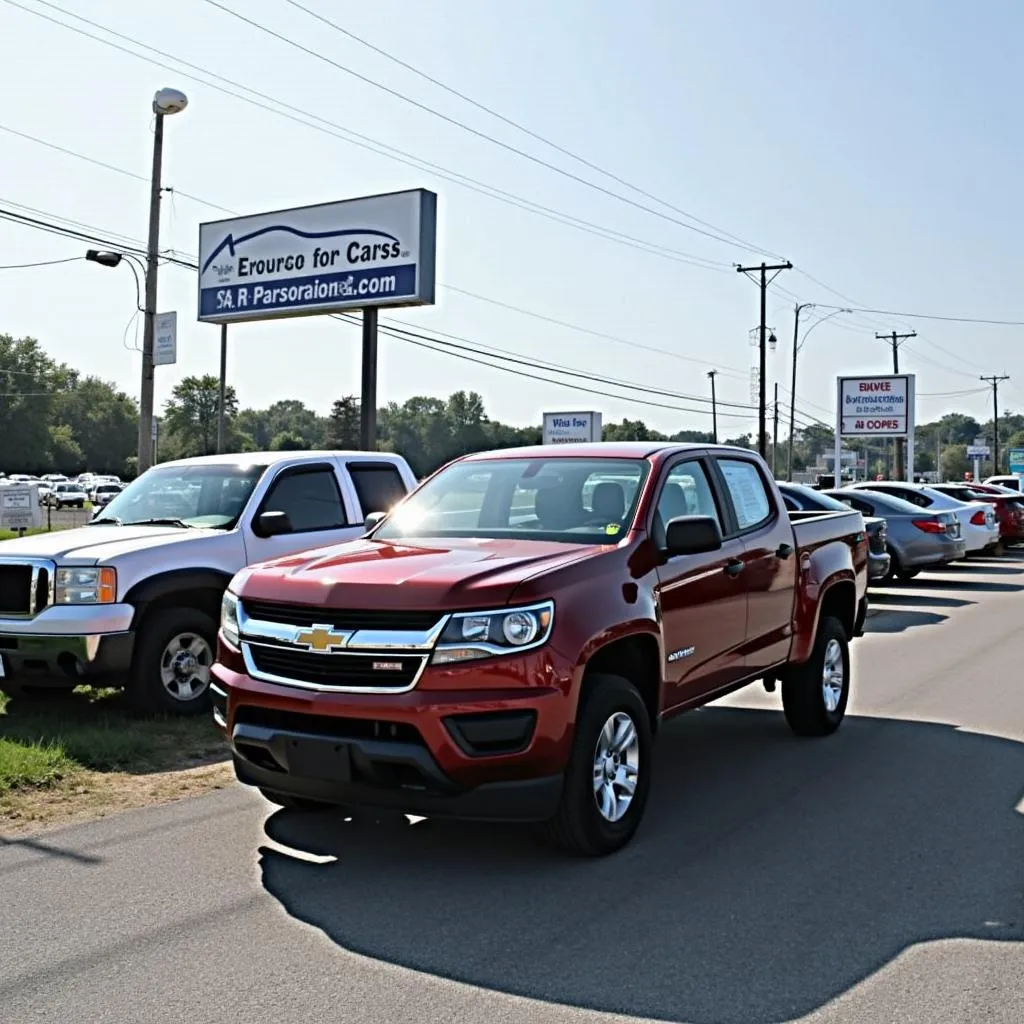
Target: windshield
[(68, 488), (577, 501), (197, 495)]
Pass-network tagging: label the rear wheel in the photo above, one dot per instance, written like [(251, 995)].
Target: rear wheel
[(609, 772), (815, 694)]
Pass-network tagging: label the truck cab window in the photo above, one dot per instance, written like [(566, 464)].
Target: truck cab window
[(310, 499), (378, 487), (747, 491)]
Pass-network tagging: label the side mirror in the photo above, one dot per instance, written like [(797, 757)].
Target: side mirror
[(373, 520), (692, 535), (272, 524)]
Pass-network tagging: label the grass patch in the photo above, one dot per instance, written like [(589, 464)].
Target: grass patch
[(31, 532), (52, 738)]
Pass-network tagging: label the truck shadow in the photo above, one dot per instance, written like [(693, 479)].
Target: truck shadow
[(898, 620), (890, 599), (973, 586), (758, 889)]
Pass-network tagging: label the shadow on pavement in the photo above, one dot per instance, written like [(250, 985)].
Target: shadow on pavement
[(898, 620), (771, 875), (974, 586), (986, 568), (888, 599)]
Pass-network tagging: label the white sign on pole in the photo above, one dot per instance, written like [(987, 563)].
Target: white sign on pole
[(165, 339), (571, 427), (978, 451), (19, 507), (374, 251), (876, 406)]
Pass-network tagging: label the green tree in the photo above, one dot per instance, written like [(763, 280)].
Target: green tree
[(288, 416), (955, 462), (190, 416), (630, 430), (103, 421), (288, 441), (29, 383), (341, 432), (65, 454)]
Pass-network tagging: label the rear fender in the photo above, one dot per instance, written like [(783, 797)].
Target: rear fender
[(827, 579)]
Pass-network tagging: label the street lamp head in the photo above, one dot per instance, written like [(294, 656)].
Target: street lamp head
[(169, 101), (772, 341), (104, 259)]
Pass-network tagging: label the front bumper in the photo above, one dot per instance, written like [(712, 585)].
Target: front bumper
[(482, 754), (76, 642)]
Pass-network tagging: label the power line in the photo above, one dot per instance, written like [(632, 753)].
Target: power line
[(331, 128), (508, 147), (936, 316), (41, 263), (520, 127)]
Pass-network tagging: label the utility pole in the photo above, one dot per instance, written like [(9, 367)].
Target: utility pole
[(797, 309), (765, 280), (894, 339), (995, 381), (775, 435), (714, 407)]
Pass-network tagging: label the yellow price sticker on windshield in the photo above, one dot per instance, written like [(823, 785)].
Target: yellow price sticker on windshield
[(612, 528)]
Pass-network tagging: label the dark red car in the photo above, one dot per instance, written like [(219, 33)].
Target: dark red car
[(505, 644), (1009, 507)]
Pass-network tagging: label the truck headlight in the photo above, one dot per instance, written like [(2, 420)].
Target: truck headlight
[(93, 585), (229, 617), (469, 636)]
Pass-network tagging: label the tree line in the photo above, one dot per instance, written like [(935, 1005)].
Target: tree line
[(53, 418)]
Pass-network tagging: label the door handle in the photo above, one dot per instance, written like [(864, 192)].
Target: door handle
[(784, 551), (734, 567)]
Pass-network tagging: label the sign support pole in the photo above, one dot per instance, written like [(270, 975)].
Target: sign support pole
[(221, 411), (837, 472), (368, 396), (911, 423)]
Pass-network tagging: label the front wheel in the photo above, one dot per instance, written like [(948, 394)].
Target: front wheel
[(815, 694), (608, 776), (174, 654)]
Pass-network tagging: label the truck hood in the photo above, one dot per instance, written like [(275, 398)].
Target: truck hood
[(93, 544), (447, 575)]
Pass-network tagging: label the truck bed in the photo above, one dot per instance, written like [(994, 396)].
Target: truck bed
[(813, 529)]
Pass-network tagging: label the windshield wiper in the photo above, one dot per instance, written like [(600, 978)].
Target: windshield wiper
[(161, 522), (105, 519)]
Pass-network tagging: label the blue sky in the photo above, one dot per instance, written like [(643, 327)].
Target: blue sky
[(875, 145)]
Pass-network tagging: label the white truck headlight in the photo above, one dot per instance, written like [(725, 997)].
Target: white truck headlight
[(92, 585), (229, 617), (473, 635)]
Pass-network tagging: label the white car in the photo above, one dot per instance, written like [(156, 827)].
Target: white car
[(133, 599), (979, 526), (1013, 483)]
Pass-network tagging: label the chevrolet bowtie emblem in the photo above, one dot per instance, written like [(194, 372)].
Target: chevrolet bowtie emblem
[(322, 639)]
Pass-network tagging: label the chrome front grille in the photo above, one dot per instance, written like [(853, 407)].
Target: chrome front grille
[(26, 586), (337, 651)]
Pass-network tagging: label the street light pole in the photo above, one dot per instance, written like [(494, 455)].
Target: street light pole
[(714, 407), (166, 101)]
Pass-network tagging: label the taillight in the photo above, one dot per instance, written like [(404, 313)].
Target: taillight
[(929, 525), (978, 519)]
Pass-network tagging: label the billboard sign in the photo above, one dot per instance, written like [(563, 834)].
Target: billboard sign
[(876, 406), (978, 451), (374, 251), (571, 427), (1015, 457), (19, 507), (165, 339)]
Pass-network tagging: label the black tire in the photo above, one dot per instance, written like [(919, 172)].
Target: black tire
[(146, 691), (803, 686), (578, 825), (295, 803)]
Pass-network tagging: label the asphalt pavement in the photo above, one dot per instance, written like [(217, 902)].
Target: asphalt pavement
[(875, 876)]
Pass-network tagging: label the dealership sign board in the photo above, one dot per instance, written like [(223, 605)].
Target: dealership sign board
[(571, 427), (876, 407), (374, 251), (165, 340)]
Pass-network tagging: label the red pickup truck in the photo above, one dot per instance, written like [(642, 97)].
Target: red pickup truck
[(505, 644)]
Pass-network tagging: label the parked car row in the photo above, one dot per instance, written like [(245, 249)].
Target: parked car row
[(925, 526), (59, 491)]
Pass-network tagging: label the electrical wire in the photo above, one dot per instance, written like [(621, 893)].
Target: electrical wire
[(522, 128), (41, 263), (331, 128), (508, 147)]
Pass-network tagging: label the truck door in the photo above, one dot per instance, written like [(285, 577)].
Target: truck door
[(702, 598), (310, 496), (770, 561)]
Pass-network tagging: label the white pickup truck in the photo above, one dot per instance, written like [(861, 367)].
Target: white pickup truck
[(133, 598)]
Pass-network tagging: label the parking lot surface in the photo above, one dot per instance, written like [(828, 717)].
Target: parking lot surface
[(874, 876)]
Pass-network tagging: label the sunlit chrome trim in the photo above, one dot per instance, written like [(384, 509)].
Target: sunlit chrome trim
[(36, 565), (269, 677)]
